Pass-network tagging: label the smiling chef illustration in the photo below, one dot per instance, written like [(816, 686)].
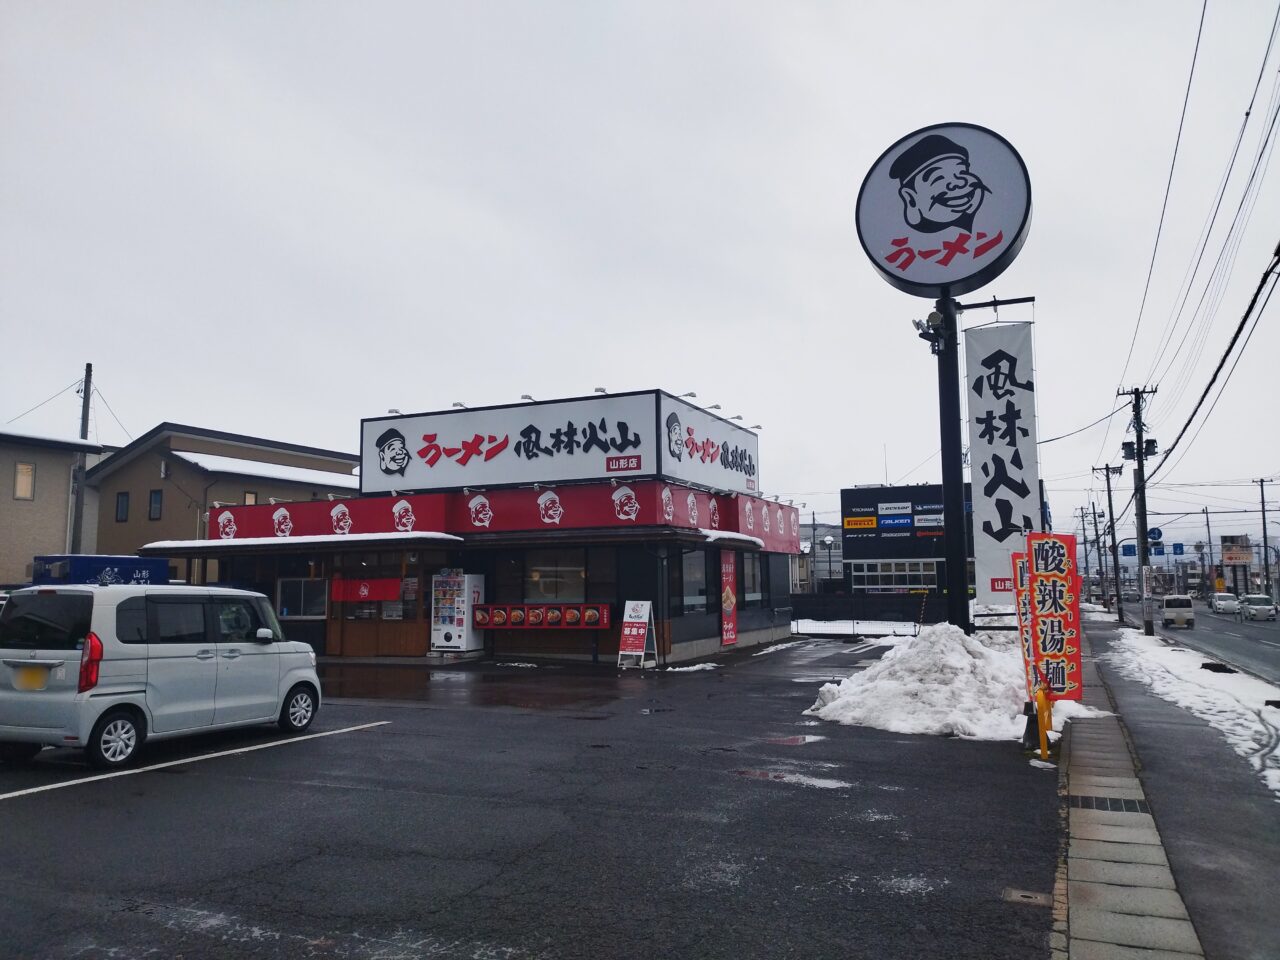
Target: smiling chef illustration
[(281, 522), (668, 505), (549, 508), (226, 525), (751, 517), (714, 511), (625, 504), (937, 188), (481, 512), (402, 516), (692, 505), (341, 518), (393, 455)]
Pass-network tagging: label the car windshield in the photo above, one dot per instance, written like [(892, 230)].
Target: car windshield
[(45, 621), (1177, 603), (1224, 596), (1257, 600)]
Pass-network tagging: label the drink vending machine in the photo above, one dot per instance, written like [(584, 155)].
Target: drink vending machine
[(453, 595)]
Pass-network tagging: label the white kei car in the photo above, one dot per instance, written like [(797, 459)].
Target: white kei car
[(1224, 603), (1257, 606)]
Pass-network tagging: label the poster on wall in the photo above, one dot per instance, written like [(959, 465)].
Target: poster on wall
[(1005, 469), (728, 597)]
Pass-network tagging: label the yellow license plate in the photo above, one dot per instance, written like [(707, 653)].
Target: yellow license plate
[(30, 678)]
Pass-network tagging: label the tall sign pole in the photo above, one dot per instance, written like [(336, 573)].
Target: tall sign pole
[(1140, 501), (942, 212)]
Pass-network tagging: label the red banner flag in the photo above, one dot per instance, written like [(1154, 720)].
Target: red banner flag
[(1054, 589)]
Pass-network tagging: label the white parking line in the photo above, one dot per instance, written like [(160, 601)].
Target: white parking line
[(175, 763)]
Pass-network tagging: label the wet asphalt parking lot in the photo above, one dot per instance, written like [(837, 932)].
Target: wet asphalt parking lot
[(512, 812)]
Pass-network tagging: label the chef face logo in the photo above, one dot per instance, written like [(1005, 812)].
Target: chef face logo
[(714, 511), (549, 508), (764, 518), (363, 591), (625, 504), (675, 438), (393, 455), (282, 523), (692, 505), (402, 516), (782, 527), (481, 512), (340, 516), (751, 517), (226, 525), (937, 188), (668, 505), (795, 525)]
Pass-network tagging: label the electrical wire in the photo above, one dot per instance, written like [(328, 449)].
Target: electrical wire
[(112, 412), (1084, 428), (73, 383)]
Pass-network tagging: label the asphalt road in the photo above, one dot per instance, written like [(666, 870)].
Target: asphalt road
[(510, 812)]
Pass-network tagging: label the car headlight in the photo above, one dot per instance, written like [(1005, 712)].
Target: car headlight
[(312, 655)]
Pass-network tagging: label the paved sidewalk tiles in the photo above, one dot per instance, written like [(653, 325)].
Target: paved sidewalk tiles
[(1082, 849), (1084, 778), (1142, 901), (1151, 933), (1125, 874), (1081, 817), (1093, 950)]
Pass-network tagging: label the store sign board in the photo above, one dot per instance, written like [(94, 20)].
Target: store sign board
[(637, 642), (890, 523), (1055, 614), (582, 439), (405, 514), (705, 450), (728, 597), (1002, 449), (1235, 555), (945, 210)]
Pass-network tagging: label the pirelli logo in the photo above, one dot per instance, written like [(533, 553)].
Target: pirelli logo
[(859, 523)]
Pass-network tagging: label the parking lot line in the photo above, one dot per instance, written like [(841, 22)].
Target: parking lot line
[(174, 763)]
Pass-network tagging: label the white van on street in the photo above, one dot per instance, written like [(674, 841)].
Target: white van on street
[(107, 668), (1178, 611)]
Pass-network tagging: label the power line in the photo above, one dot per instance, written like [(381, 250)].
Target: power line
[(1084, 428), (113, 413), (73, 383)]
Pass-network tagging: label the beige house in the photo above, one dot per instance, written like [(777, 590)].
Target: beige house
[(163, 485), (36, 501)]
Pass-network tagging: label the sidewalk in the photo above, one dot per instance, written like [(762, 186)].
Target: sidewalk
[(1120, 893)]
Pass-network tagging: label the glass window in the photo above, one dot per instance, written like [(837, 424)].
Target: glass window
[(45, 621), (24, 481), (268, 617), (602, 574), (694, 572), (237, 621), (154, 504), (122, 507), (131, 620), (180, 621), (556, 575), (250, 498), (752, 595), (299, 599)]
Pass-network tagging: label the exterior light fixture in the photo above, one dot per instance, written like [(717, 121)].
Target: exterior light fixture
[(461, 406), (525, 396), (689, 394), (736, 416), (714, 406), (600, 390)]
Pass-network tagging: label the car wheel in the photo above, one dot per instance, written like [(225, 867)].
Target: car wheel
[(1191, 624), (299, 709), (115, 739), (16, 753)]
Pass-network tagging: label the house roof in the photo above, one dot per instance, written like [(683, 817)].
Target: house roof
[(57, 443), (213, 463), (181, 431)]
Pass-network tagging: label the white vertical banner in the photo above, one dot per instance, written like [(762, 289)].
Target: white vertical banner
[(1005, 471)]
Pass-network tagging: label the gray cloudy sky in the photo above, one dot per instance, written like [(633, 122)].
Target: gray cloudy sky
[(279, 217)]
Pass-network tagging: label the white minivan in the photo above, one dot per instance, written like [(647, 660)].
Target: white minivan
[(106, 668)]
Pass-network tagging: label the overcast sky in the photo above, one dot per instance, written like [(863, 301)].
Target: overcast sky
[(278, 217)]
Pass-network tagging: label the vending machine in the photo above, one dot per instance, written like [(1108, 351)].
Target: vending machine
[(453, 595)]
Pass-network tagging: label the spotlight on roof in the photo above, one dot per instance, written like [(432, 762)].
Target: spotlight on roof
[(525, 396), (600, 390), (689, 394), (461, 406)]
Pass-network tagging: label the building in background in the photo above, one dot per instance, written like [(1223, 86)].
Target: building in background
[(36, 500)]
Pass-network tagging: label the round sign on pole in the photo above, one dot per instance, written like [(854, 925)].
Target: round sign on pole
[(945, 210), (1155, 533)]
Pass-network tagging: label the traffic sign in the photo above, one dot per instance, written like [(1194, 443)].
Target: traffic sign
[(1155, 533), (1157, 549), (1129, 549), (1177, 550)]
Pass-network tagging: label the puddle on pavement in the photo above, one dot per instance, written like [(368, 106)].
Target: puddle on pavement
[(525, 690)]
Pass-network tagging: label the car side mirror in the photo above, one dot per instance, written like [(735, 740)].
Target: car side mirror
[(265, 635)]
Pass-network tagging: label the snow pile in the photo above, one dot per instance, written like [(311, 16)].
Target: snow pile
[(851, 628), (939, 682), (987, 615), (780, 646), (695, 667), (1232, 703)]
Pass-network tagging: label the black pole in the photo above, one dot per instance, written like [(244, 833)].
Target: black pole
[(948, 350), (1208, 534), (77, 510), (1115, 546), (1084, 538), (1266, 547), (1102, 557)]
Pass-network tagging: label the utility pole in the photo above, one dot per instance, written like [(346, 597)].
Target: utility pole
[(77, 515), (1208, 538), (1140, 498), (813, 551), (1266, 547), (1084, 538), (1102, 557), (1107, 471)]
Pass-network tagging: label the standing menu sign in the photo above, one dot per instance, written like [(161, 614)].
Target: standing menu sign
[(1002, 444), (728, 597), (637, 639), (1055, 614)]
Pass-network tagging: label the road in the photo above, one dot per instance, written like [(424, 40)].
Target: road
[(1252, 645), (513, 812)]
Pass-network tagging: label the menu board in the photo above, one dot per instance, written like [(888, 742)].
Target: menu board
[(541, 616)]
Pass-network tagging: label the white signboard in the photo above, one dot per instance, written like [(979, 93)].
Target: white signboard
[(1005, 471), (706, 451), (945, 210), (583, 439)]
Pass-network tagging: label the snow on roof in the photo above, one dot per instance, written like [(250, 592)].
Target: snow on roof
[(270, 471), (327, 539), (75, 442), (714, 535)]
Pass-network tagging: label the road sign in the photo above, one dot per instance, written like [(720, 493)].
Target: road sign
[(1128, 549), (1155, 533), (1157, 549), (1178, 550)]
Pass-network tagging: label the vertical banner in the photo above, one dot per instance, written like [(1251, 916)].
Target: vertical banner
[(1055, 614), (728, 597), (1002, 451), (1022, 603)]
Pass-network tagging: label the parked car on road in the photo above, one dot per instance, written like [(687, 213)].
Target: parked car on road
[(1178, 611), (1224, 603), (107, 668), (1257, 606)]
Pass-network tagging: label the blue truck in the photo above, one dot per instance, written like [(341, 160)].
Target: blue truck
[(99, 569)]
